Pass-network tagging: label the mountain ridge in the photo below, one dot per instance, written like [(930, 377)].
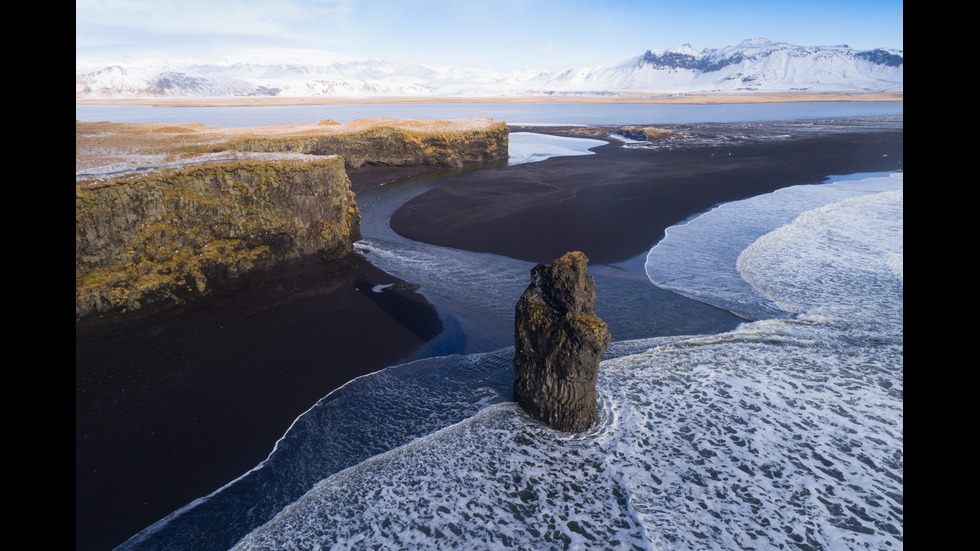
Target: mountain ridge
[(754, 65)]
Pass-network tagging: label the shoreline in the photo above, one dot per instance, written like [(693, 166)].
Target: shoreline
[(168, 413), (614, 204), (679, 98), (190, 404)]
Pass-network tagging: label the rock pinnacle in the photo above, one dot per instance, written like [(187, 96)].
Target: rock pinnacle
[(559, 342)]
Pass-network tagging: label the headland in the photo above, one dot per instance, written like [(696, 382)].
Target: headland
[(169, 214), (218, 297)]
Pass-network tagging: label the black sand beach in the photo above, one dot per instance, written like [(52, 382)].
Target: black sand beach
[(172, 412), (617, 203)]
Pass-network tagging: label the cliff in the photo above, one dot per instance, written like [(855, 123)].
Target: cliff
[(392, 143), (169, 214), (103, 149), (176, 235)]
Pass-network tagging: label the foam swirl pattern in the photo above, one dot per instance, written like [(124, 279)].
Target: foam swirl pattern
[(784, 433)]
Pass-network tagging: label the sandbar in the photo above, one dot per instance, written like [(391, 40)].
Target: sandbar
[(617, 203)]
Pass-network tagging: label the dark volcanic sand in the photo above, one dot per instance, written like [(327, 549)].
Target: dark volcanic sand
[(617, 203), (170, 413)]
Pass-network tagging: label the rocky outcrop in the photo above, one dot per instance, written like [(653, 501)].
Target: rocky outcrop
[(559, 342), (160, 239), (234, 202), (649, 133), (389, 144), (103, 148)]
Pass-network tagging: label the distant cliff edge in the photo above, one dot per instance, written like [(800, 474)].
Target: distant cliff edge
[(166, 215), (389, 144)]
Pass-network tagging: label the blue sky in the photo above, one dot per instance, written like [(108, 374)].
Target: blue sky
[(493, 34)]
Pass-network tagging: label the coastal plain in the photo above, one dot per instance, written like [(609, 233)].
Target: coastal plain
[(168, 413)]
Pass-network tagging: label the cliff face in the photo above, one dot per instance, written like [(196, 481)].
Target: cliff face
[(558, 343), (242, 201), (158, 240), (388, 145)]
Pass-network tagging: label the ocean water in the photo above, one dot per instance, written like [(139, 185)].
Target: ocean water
[(752, 399), (461, 372), (782, 433), (475, 293)]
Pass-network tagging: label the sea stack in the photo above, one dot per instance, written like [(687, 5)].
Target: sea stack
[(559, 342)]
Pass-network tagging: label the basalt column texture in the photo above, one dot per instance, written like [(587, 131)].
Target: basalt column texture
[(559, 342)]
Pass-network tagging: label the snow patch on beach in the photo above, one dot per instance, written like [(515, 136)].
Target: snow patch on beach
[(529, 147)]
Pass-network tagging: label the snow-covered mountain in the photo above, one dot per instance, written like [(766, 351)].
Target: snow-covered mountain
[(754, 65)]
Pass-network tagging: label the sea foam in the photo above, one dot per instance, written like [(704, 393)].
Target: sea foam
[(785, 432)]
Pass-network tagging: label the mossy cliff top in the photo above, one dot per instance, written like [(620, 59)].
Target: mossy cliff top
[(166, 237), (104, 149), (168, 213)]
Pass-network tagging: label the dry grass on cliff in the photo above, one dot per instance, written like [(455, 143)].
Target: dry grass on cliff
[(104, 149)]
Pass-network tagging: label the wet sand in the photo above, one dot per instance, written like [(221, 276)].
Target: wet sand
[(615, 204), (171, 412), (368, 177)]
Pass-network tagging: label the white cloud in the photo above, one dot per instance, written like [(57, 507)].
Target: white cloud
[(292, 22)]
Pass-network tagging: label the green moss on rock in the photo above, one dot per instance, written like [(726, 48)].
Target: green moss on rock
[(176, 235), (558, 343)]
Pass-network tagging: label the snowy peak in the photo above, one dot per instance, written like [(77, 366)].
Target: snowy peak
[(753, 65), (674, 58), (888, 58), (686, 57)]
